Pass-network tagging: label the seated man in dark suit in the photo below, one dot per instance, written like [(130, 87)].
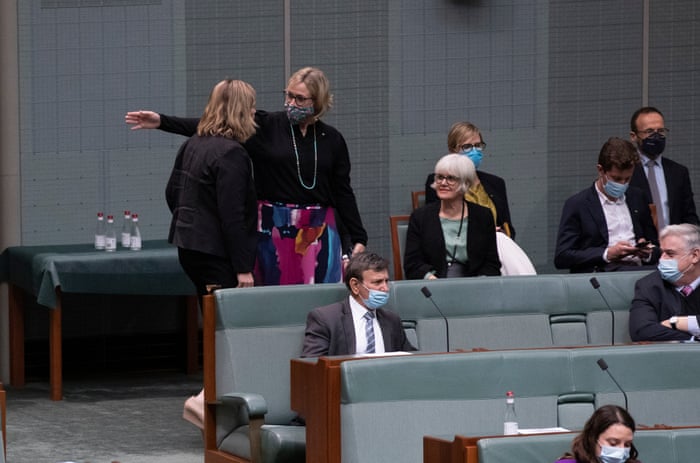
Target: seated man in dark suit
[(665, 181), (666, 303), (357, 324), (608, 226)]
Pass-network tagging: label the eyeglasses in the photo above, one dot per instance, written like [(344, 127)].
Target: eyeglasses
[(450, 179), (468, 146), (648, 132), (299, 99)]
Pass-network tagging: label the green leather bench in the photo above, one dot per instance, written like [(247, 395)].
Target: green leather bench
[(654, 446), (389, 404), (517, 311), (258, 330)]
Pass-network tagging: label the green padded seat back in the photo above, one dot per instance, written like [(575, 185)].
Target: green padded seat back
[(617, 288), (402, 399), (517, 311), (685, 445), (258, 331), (661, 383), (531, 449)]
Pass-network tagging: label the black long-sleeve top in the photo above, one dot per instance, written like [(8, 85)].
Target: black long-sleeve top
[(275, 165)]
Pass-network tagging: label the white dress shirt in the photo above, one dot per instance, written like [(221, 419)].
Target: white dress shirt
[(358, 313)]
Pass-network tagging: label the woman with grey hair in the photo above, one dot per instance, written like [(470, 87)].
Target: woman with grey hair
[(452, 237)]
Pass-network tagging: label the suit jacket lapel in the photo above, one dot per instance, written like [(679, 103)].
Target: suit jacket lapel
[(349, 327), (596, 211)]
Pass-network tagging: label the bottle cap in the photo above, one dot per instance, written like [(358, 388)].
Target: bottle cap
[(510, 394), (100, 214)]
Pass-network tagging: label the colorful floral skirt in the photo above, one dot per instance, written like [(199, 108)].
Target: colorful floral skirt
[(297, 245)]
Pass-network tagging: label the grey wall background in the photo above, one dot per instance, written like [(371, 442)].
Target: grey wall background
[(548, 81)]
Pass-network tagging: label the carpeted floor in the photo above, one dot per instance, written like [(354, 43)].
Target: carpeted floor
[(136, 418)]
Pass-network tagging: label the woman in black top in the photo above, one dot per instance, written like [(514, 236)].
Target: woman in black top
[(302, 176), (211, 193)]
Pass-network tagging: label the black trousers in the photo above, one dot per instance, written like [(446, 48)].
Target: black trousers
[(207, 269)]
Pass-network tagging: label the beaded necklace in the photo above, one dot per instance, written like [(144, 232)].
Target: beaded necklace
[(296, 153)]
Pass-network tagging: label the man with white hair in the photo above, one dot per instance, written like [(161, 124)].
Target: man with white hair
[(666, 303)]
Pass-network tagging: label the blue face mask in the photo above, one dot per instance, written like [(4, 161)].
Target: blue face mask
[(613, 454), (377, 299), (653, 145), (475, 155), (297, 114), (614, 189), (668, 268)]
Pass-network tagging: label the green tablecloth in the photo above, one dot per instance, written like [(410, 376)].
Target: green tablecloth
[(79, 268)]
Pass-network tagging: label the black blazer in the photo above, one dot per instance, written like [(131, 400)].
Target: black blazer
[(425, 244), (656, 300), (583, 230), (330, 331), (681, 205), (495, 187), (211, 195)]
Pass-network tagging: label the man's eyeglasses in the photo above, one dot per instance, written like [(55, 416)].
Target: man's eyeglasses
[(468, 146), (649, 132), (299, 99), (450, 179)]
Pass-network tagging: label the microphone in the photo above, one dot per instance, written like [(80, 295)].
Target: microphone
[(604, 366), (426, 292), (596, 285)]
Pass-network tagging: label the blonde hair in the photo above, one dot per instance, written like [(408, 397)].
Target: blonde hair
[(319, 88), (458, 132), (460, 166), (230, 111)]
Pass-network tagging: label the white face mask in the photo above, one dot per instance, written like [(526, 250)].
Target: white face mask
[(613, 454)]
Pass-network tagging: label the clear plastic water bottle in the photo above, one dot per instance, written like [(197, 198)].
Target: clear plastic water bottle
[(126, 230), (135, 233), (110, 235), (100, 232), (510, 422)]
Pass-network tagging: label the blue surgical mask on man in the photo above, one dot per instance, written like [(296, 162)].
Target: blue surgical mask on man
[(668, 268), (297, 114), (613, 454), (475, 155), (614, 189), (376, 299)]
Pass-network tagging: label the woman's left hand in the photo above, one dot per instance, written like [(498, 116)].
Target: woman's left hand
[(245, 280)]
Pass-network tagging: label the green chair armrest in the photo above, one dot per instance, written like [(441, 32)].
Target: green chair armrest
[(257, 408), (254, 403)]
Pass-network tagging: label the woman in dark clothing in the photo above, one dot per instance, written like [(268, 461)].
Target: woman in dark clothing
[(452, 237), (302, 176), (212, 198)]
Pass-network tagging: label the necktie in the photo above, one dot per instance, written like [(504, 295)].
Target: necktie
[(686, 290), (655, 196), (369, 330)]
